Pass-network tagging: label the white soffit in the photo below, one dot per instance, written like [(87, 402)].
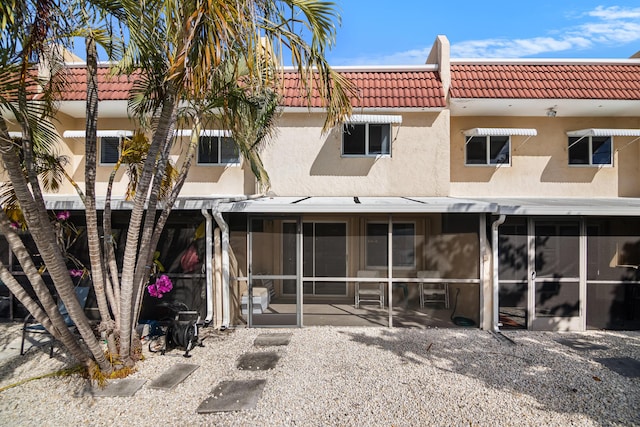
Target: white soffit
[(203, 132), (15, 134), (500, 132), (100, 133), (374, 118), (604, 132)]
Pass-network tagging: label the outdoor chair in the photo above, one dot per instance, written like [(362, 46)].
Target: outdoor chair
[(433, 292), (369, 291), (82, 292)]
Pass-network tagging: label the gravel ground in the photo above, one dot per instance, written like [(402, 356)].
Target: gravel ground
[(344, 376)]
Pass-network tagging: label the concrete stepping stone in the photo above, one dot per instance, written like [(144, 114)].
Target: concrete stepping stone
[(258, 361), (625, 366), (267, 340), (580, 344), (233, 396), (173, 376), (120, 388)]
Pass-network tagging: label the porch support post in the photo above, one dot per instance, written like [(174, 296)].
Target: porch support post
[(208, 268), (390, 269), (494, 262)]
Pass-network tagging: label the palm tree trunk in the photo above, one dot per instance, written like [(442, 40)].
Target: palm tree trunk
[(50, 317), (166, 120), (91, 214), (34, 212)]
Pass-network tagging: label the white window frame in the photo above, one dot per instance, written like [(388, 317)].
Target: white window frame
[(589, 138), (366, 139), (487, 158), (219, 139)]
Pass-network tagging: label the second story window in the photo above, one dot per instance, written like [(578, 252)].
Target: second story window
[(591, 150), (366, 139), (109, 150), (488, 150), (217, 150)]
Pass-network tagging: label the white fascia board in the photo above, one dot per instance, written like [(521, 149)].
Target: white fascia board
[(604, 132), (500, 132)]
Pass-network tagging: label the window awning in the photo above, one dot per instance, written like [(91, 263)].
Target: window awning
[(604, 132), (100, 133), (374, 118), (500, 132), (203, 132)]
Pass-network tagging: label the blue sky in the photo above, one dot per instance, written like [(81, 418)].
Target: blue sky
[(402, 32)]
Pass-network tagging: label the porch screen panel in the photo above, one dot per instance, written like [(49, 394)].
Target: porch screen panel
[(557, 246), (330, 255), (513, 271), (613, 279), (289, 257)]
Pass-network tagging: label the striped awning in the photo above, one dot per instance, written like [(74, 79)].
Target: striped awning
[(604, 132), (100, 133), (203, 132), (500, 132), (374, 118)]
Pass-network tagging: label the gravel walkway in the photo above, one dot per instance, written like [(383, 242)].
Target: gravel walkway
[(330, 376)]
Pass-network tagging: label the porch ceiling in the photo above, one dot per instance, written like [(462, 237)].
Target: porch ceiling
[(292, 205), (621, 206)]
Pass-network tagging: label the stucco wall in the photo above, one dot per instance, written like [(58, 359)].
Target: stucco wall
[(301, 161), (539, 166)]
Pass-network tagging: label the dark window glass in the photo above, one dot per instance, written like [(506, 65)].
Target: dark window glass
[(379, 139), (208, 149), (579, 151), (477, 151), (403, 244), (228, 151), (109, 153), (601, 147), (353, 139), (499, 150)]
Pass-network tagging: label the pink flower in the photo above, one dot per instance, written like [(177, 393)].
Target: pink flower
[(63, 216), (15, 225), (74, 272), (161, 286)]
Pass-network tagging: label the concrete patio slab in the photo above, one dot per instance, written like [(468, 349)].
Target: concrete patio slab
[(258, 361), (580, 344), (173, 376), (120, 388), (625, 366), (233, 396), (266, 340)]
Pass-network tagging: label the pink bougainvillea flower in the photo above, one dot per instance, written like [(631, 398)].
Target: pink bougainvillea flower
[(161, 286), (15, 225), (74, 272), (63, 216)]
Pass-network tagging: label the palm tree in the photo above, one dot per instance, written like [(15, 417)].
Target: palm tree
[(197, 61)]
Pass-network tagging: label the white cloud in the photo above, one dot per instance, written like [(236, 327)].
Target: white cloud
[(613, 25)]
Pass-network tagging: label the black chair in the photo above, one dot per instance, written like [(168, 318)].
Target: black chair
[(82, 292)]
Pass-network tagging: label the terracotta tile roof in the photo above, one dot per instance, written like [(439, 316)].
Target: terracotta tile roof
[(539, 81), (379, 89), (109, 88), (415, 89)]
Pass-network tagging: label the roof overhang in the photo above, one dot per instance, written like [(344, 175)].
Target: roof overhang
[(519, 107), (100, 133), (604, 132), (500, 132), (107, 109), (567, 206), (386, 205)]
